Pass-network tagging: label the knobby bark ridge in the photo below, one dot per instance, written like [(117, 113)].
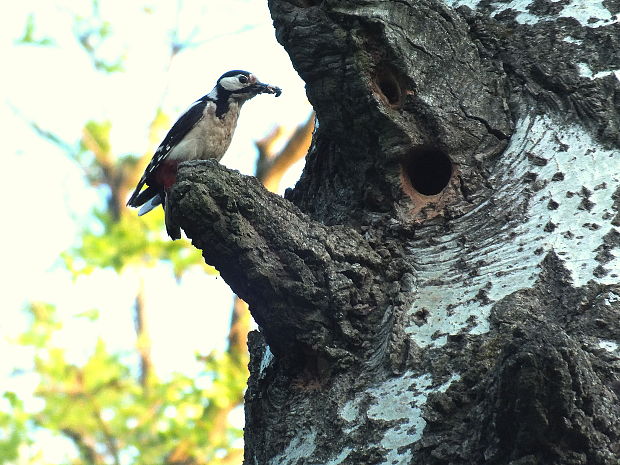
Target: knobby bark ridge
[(441, 286)]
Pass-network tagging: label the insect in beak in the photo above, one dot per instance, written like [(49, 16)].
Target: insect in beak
[(267, 89)]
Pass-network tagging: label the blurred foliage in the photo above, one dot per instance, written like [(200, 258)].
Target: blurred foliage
[(30, 37), (112, 408), (130, 240), (112, 418), (14, 426), (92, 33)]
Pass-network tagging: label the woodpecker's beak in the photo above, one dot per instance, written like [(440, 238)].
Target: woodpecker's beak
[(261, 88)]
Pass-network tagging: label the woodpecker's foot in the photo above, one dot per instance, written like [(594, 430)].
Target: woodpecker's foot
[(173, 229)]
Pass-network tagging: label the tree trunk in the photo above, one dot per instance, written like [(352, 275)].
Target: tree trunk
[(441, 287)]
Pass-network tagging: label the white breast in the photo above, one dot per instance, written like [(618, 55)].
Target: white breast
[(210, 137)]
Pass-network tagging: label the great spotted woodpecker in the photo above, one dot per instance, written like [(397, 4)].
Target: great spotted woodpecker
[(203, 131)]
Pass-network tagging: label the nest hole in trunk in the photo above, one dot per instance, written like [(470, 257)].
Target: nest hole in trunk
[(428, 170)]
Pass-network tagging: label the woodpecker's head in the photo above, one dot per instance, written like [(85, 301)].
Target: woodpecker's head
[(242, 86)]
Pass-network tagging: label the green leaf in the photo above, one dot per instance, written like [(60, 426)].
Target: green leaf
[(28, 38), (92, 314), (130, 241)]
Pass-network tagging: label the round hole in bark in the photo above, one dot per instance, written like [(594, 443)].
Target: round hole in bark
[(428, 170), (389, 87)]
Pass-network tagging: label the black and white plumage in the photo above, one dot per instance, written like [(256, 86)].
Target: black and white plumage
[(204, 131)]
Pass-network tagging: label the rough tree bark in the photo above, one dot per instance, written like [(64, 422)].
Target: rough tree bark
[(441, 286)]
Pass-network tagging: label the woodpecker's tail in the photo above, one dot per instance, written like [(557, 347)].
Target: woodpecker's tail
[(150, 204), (148, 199), (138, 198)]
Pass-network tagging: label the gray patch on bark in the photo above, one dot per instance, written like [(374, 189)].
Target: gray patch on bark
[(542, 62)]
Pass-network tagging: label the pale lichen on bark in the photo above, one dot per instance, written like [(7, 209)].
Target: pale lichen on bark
[(542, 182)]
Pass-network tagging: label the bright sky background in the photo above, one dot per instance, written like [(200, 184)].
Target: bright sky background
[(46, 197)]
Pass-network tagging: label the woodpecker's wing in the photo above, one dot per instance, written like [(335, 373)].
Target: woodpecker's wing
[(176, 134)]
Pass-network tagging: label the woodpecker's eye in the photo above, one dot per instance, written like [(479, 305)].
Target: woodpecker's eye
[(243, 79)]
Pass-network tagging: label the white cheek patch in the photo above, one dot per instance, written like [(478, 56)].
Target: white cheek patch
[(231, 83)]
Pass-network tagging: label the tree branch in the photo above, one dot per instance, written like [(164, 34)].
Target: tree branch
[(276, 258), (143, 338), (85, 445)]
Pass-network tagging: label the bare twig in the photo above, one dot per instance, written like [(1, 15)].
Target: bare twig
[(271, 167), (85, 445), (144, 339)]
